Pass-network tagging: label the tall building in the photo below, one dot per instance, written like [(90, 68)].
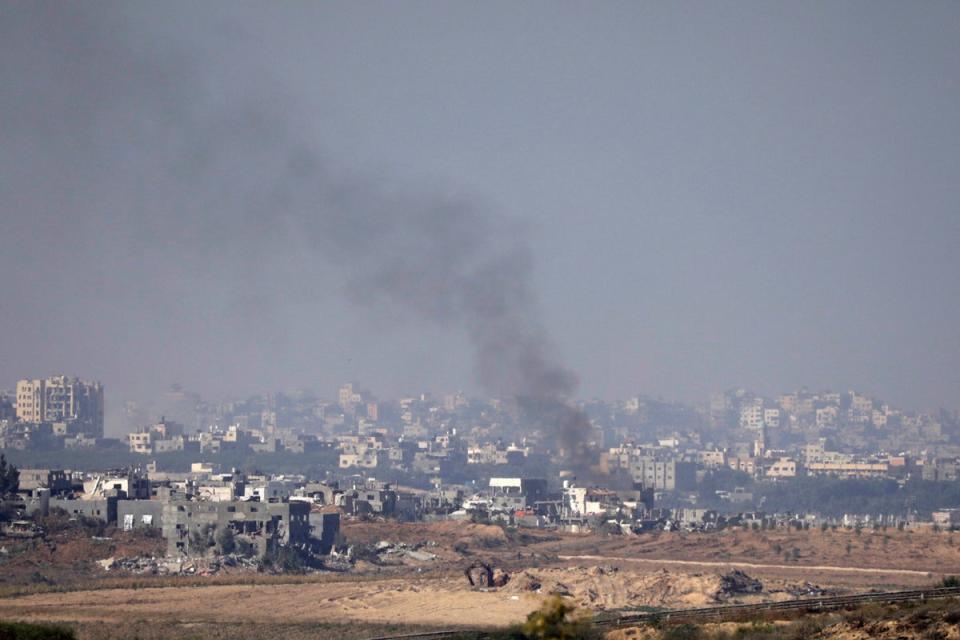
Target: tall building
[(349, 397), (75, 402)]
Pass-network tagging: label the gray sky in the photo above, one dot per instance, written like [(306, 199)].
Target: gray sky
[(694, 196)]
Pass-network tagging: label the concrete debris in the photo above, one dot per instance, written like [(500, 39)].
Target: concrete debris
[(738, 583), (142, 565), (481, 575), (387, 550), (179, 566), (807, 590)]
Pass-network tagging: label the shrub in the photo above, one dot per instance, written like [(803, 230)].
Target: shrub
[(557, 620), (9, 477), (682, 632), (952, 617), (201, 540), (24, 631), (245, 548), (226, 542), (286, 560), (805, 628)]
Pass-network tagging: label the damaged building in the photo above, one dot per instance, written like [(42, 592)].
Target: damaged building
[(264, 524)]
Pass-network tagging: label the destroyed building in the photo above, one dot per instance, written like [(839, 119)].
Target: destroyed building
[(264, 524)]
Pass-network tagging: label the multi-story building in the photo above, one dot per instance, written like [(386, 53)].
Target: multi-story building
[(663, 475), (349, 397), (782, 467), (61, 399), (712, 459), (849, 469), (164, 436), (939, 470), (772, 417), (751, 415)]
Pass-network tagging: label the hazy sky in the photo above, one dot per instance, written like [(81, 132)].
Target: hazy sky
[(698, 195)]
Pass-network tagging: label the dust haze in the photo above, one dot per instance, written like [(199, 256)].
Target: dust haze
[(230, 184)]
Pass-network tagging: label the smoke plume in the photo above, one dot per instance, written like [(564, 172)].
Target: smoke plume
[(228, 177)]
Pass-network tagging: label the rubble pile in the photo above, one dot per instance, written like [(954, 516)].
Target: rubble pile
[(142, 565), (481, 575), (607, 587), (387, 551), (808, 590), (205, 566), (737, 583)]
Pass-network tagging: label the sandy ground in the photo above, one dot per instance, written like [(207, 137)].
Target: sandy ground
[(434, 602), (418, 600), (662, 570)]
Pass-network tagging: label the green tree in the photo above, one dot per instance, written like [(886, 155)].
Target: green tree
[(556, 620), (9, 477), (226, 543), (201, 540), (950, 582)]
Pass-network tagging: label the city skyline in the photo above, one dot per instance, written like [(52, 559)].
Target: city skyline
[(704, 199)]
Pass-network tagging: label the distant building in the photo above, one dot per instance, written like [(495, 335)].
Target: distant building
[(783, 467), (60, 399), (848, 469), (939, 470), (264, 524), (162, 437), (947, 517), (55, 480)]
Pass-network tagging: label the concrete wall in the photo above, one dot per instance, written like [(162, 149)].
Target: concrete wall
[(104, 509), (325, 528), (139, 514)]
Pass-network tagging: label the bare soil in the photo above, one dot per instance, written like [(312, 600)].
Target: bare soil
[(598, 572)]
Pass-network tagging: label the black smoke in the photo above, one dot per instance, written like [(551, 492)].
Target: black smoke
[(89, 92)]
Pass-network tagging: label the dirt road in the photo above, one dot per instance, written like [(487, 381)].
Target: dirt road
[(752, 565)]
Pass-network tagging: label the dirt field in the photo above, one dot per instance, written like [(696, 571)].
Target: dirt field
[(836, 558), (428, 602), (660, 570)]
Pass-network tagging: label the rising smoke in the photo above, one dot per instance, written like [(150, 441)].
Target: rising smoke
[(94, 94)]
